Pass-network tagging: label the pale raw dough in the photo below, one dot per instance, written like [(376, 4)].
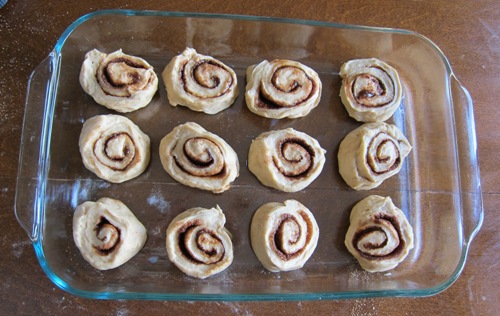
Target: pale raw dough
[(379, 235), (118, 81), (283, 235), (107, 233), (114, 148), (287, 160), (371, 90), (371, 154), (197, 158), (282, 88), (202, 83), (198, 243)]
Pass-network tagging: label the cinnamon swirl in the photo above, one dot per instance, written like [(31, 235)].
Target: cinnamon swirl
[(118, 81), (202, 83), (282, 88), (283, 235), (371, 90), (114, 148), (197, 158), (198, 243), (107, 233), (379, 235), (371, 154), (287, 160)]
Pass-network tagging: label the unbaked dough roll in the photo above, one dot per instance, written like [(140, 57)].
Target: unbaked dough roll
[(198, 243), (107, 233), (282, 88), (379, 235), (283, 235), (114, 148), (371, 90), (202, 83), (197, 158), (287, 160), (372, 153), (118, 81)]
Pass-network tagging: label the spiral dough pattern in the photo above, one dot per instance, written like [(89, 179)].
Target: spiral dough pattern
[(371, 90), (283, 235), (379, 235), (107, 233), (197, 242), (118, 81), (287, 160), (282, 88), (198, 158), (371, 154), (114, 148), (202, 83)]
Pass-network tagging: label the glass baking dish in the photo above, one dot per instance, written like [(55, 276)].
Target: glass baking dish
[(438, 188)]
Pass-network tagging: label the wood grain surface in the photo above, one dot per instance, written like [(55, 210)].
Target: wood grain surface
[(468, 32)]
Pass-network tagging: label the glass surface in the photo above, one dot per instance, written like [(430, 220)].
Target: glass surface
[(438, 187)]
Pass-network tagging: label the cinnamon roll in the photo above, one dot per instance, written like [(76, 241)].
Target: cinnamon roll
[(114, 148), (118, 81), (282, 88), (379, 235), (283, 235), (371, 90), (372, 153), (198, 243), (197, 158), (202, 83), (107, 233), (287, 160)]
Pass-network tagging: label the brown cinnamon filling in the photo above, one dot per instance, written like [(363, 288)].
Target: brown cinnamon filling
[(290, 86), (263, 102), (108, 244), (200, 159), (133, 76), (372, 161), (220, 174), (297, 152), (200, 242), (273, 104), (199, 153), (278, 244), (203, 74), (117, 158), (373, 87), (122, 75), (379, 219)]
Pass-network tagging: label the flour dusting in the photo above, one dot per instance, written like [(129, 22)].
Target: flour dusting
[(18, 248), (122, 312), (365, 307), (156, 231), (157, 200)]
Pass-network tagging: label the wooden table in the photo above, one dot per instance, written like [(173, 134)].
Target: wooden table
[(468, 32)]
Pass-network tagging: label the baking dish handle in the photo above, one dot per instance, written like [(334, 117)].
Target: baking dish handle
[(29, 187), (471, 196)]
